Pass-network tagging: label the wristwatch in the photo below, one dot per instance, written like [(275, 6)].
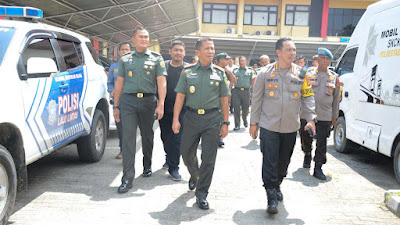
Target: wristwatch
[(226, 123), (115, 107)]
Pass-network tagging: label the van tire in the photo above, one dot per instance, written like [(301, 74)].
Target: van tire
[(342, 144), (396, 162), (91, 147), (8, 183)]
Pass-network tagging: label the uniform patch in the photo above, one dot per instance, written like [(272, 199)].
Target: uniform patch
[(211, 82), (270, 86), (192, 89), (130, 74), (295, 94), (276, 86), (330, 90), (148, 72), (226, 80), (145, 66), (337, 82), (306, 90), (115, 70), (151, 67), (162, 64), (217, 84), (271, 93), (272, 75)]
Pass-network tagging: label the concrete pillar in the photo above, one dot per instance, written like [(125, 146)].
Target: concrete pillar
[(240, 17), (324, 20), (200, 13)]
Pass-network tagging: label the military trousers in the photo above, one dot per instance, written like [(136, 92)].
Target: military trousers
[(323, 132), (136, 112), (277, 149), (240, 99), (206, 128), (119, 130), (171, 141)]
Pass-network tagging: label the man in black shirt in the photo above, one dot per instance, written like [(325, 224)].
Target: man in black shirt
[(172, 141)]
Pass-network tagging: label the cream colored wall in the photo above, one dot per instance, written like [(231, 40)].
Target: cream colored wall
[(301, 31), (355, 4), (155, 46)]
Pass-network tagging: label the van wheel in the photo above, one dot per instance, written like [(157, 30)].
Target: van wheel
[(342, 144), (8, 185), (91, 147), (396, 162)]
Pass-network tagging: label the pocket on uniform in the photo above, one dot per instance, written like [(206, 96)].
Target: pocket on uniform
[(294, 96), (272, 93), (328, 91)]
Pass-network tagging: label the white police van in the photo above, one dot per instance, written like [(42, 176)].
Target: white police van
[(52, 92), (370, 79)]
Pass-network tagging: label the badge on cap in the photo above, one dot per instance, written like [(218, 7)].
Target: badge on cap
[(325, 51), (192, 89), (130, 74)]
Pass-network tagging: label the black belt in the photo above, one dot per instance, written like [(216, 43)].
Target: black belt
[(201, 111), (141, 95), (242, 89)]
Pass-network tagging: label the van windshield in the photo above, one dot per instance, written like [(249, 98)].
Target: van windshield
[(6, 33)]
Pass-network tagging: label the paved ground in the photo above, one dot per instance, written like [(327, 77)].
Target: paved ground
[(63, 190)]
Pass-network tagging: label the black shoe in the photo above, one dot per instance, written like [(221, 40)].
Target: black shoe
[(318, 173), (202, 203), (125, 186), (175, 175), (221, 143), (147, 173), (307, 161), (236, 128), (272, 201), (279, 195), (192, 184), (245, 124), (165, 166)]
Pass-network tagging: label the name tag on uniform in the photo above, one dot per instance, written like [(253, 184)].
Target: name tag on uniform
[(215, 77), (115, 70), (149, 63)]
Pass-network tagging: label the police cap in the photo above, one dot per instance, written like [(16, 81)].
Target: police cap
[(325, 51)]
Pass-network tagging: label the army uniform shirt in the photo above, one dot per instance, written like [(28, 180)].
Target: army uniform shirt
[(203, 86), (140, 70), (244, 76), (277, 99), (326, 88)]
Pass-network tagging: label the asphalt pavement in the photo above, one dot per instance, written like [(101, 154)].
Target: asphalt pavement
[(64, 190)]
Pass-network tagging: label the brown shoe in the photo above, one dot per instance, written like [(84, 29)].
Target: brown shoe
[(119, 156)]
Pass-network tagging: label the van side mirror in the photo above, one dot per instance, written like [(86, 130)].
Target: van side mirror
[(41, 65)]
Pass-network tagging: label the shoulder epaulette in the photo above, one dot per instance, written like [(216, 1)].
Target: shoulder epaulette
[(190, 65), (155, 53), (217, 67)]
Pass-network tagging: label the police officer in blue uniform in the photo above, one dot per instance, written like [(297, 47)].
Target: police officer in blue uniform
[(111, 80)]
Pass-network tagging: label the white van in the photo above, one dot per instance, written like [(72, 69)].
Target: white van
[(53, 92), (369, 71)]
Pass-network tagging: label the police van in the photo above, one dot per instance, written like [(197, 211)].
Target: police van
[(370, 80), (53, 93)]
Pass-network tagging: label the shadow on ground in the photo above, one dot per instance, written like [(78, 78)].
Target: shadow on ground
[(257, 215)]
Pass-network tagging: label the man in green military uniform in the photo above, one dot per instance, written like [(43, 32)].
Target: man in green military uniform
[(205, 88), (140, 75), (241, 92)]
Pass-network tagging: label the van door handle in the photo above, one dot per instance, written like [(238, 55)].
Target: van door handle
[(346, 94), (396, 89)]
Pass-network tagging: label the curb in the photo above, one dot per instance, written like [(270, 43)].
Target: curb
[(392, 201)]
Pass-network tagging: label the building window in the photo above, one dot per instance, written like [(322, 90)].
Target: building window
[(219, 13), (341, 22), (260, 15), (297, 15)]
